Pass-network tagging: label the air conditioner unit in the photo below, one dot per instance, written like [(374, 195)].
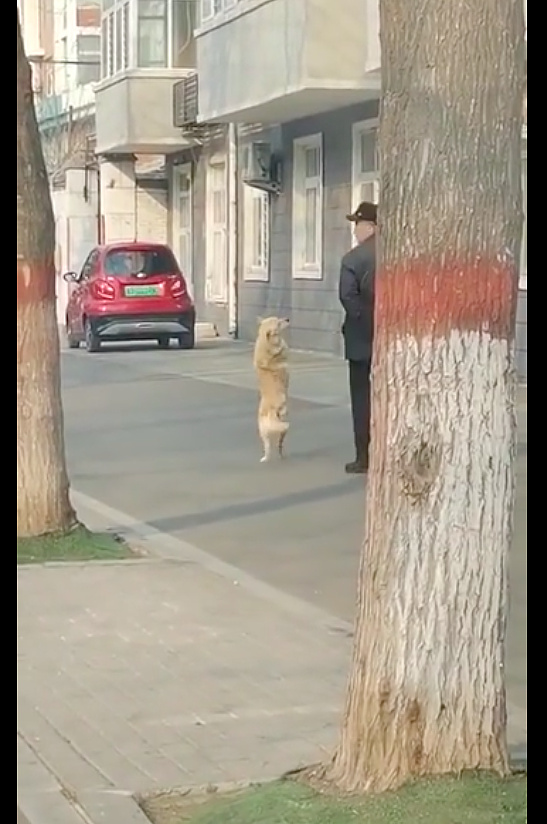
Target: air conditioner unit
[(260, 167), (185, 101)]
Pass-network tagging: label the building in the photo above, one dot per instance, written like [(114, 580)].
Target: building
[(148, 46), (62, 41), (242, 133), (280, 63)]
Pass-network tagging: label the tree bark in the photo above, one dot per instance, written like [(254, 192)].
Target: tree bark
[(43, 503), (426, 693)]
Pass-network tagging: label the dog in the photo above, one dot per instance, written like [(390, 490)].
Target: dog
[(270, 363)]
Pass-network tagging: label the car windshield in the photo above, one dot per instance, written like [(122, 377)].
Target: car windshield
[(147, 262)]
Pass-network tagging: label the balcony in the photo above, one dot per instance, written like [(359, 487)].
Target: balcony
[(272, 61), (134, 112)]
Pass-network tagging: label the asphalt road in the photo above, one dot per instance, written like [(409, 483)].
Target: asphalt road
[(170, 439)]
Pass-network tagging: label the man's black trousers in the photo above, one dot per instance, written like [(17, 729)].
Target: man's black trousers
[(359, 387)]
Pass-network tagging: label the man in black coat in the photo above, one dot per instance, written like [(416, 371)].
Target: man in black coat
[(356, 292)]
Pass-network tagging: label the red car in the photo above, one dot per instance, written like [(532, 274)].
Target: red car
[(129, 292)]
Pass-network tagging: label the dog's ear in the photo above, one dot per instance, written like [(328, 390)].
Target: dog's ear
[(259, 320)]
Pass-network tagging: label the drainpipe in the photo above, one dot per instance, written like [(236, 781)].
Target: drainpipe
[(233, 256), (100, 218)]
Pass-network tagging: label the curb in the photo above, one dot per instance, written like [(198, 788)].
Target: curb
[(202, 793), (161, 545), (111, 808), (42, 798), (87, 808), (206, 331)]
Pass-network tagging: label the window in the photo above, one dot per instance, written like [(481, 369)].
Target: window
[(125, 38), (146, 262), (216, 286), (365, 174), (88, 13), (307, 229), (210, 8), (104, 47), (183, 43), (115, 38), (182, 219), (256, 232), (89, 58), (148, 34), (118, 50), (62, 81), (152, 34), (89, 265)]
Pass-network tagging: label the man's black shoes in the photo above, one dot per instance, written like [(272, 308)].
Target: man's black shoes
[(357, 467)]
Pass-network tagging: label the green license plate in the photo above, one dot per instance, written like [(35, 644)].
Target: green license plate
[(142, 291)]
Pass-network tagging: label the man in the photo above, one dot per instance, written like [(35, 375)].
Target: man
[(357, 298)]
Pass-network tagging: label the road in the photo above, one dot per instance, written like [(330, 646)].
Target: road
[(170, 439)]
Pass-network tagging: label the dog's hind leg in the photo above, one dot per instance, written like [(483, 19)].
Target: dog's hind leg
[(281, 443), (267, 444)]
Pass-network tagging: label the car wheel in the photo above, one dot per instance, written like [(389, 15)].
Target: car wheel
[(73, 343), (186, 341), (164, 342), (92, 341)]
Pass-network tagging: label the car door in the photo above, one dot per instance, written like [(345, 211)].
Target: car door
[(80, 291)]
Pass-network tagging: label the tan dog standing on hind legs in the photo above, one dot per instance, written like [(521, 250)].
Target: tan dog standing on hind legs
[(270, 363)]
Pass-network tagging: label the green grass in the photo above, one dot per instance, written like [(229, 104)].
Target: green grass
[(469, 800), (77, 545)]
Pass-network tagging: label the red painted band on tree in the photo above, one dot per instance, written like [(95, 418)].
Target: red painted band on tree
[(424, 297)]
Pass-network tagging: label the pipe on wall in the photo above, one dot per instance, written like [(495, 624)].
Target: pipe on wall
[(233, 245)]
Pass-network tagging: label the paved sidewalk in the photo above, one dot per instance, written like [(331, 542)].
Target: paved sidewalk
[(137, 676), (152, 674)]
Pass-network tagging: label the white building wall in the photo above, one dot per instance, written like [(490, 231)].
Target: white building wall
[(76, 223), (118, 200), (132, 211), (29, 16), (152, 213)]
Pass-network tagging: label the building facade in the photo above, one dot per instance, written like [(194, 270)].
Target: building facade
[(62, 41), (279, 63), (242, 132)]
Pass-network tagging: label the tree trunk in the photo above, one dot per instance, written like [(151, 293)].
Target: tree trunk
[(426, 693), (43, 503)]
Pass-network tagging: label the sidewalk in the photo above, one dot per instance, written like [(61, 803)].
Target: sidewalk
[(157, 673), (148, 674)]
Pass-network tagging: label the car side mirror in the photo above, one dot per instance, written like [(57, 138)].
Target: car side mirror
[(70, 277)]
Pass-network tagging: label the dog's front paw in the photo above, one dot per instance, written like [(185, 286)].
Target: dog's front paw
[(264, 459)]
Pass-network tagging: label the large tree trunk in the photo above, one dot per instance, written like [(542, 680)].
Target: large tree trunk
[(427, 693), (43, 503)]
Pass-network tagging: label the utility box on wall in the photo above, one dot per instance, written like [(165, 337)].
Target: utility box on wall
[(260, 167)]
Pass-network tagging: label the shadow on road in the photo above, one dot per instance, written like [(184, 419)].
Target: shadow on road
[(251, 508)]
